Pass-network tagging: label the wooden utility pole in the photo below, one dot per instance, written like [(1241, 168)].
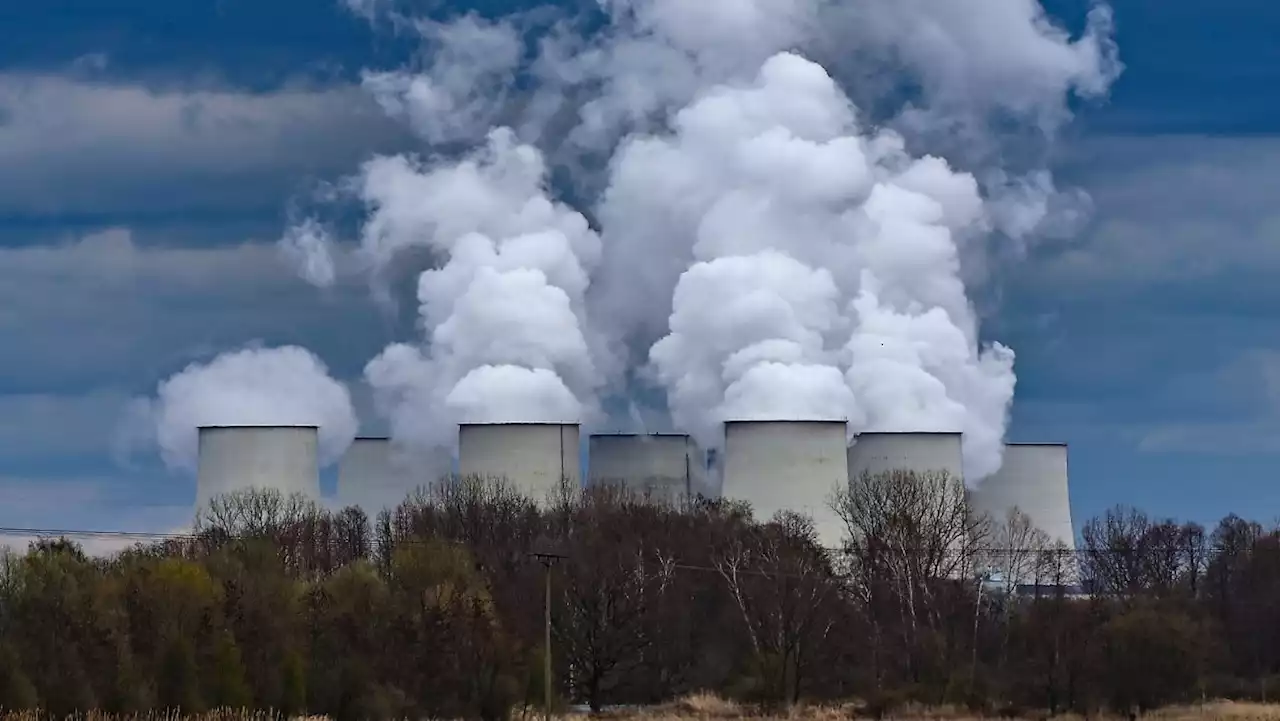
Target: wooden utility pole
[(547, 560)]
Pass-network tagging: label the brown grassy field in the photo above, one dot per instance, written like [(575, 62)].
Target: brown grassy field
[(710, 708)]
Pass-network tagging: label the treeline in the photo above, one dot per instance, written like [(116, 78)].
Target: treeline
[(436, 609)]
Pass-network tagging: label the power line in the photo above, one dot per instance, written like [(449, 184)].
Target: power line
[(86, 533)]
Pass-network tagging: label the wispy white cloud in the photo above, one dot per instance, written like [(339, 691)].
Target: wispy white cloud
[(1161, 311), (1173, 210), (1248, 384), (74, 145), (139, 309)]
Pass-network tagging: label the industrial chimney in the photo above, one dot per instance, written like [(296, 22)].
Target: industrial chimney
[(788, 465), (533, 457), (662, 467), (1033, 477), (915, 452), (233, 458), (373, 476), (918, 452)]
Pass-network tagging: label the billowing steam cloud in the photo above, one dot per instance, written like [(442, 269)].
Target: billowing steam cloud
[(827, 275), (789, 196), (505, 314), (268, 387)]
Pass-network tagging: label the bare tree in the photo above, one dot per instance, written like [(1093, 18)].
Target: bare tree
[(1112, 562), (253, 512), (922, 519), (1057, 568), (611, 583), (1127, 554), (297, 526), (910, 536), (1016, 549), (1194, 546), (780, 580), (1014, 556)]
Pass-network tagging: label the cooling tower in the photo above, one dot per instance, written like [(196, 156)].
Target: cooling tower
[(919, 452), (533, 457), (237, 457), (663, 467), (1033, 477), (788, 465), (373, 476)]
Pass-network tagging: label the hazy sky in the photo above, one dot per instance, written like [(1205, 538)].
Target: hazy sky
[(149, 153)]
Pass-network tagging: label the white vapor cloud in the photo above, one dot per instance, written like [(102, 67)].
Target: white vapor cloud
[(465, 85), (145, 303), (826, 282), (505, 315), (78, 145), (253, 386), (788, 200)]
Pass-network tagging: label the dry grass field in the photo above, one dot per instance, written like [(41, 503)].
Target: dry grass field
[(711, 708)]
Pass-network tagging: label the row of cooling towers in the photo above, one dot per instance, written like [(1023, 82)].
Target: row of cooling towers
[(774, 465)]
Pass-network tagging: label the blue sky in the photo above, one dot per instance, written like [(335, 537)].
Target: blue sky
[(149, 152)]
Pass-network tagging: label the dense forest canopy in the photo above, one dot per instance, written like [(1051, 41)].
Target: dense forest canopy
[(436, 607)]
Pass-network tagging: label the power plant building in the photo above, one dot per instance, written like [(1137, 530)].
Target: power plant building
[(788, 465), (532, 457), (664, 467), (916, 452), (232, 458), (1033, 478), (876, 453), (373, 476)]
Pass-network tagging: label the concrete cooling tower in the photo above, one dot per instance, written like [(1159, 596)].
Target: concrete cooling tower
[(663, 467), (788, 465), (237, 457), (533, 457), (373, 476), (921, 452), (881, 452), (1033, 477)]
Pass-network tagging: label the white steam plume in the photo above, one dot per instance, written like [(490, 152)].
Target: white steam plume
[(466, 82), (734, 158), (252, 387), (749, 342), (309, 246), (826, 282), (505, 315)]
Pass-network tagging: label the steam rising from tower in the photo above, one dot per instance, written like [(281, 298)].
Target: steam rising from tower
[(826, 283), (764, 249), (286, 386), (504, 315)]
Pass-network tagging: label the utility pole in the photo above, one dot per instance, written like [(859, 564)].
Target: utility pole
[(547, 560)]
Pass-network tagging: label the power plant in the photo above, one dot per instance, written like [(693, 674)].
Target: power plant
[(772, 465), (1033, 478), (662, 467), (373, 476), (233, 458), (788, 465), (533, 457), (916, 452)]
